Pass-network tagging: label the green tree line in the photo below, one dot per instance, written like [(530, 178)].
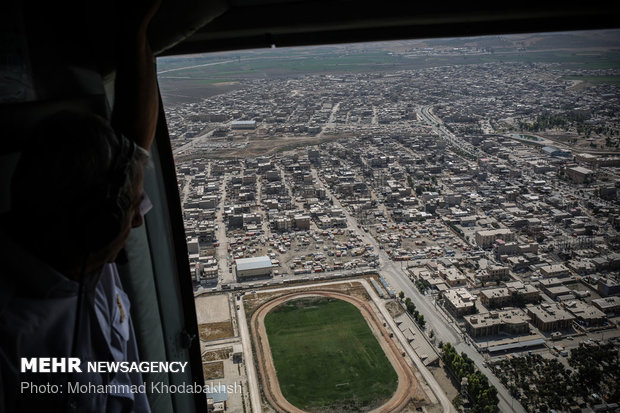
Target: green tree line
[(411, 309), (481, 393)]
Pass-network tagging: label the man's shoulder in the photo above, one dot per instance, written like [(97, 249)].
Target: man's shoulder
[(109, 278)]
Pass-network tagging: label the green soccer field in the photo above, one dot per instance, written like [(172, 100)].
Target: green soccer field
[(327, 358)]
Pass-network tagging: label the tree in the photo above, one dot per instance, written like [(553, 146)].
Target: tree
[(480, 392), (410, 307), (420, 320), (401, 295)]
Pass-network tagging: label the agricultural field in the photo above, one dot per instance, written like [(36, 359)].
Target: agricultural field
[(327, 358)]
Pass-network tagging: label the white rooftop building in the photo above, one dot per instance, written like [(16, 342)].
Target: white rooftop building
[(253, 267), (243, 124)]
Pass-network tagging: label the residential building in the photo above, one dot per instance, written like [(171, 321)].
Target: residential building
[(513, 321)]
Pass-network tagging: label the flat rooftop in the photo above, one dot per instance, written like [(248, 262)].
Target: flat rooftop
[(549, 312), (513, 316), (253, 263), (518, 345)]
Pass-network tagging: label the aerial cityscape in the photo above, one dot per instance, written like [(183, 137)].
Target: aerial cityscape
[(417, 225)]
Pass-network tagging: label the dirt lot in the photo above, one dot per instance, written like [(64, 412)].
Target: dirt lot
[(215, 331), (266, 146), (444, 380), (394, 308), (578, 142), (212, 308), (215, 355), (214, 370)]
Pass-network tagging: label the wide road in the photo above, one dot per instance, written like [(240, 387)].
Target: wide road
[(255, 398), (222, 249), (426, 112), (178, 69), (193, 142)]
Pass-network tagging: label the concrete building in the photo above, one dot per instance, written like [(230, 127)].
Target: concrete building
[(586, 314), (459, 301), (235, 221), (580, 175), (451, 275), (555, 270), (253, 267), (496, 297), (193, 246), (237, 353), (606, 287), (594, 160), (514, 293), (302, 222), (486, 238), (523, 293), (556, 291), (493, 273), (550, 317), (585, 158), (608, 305), (512, 321)]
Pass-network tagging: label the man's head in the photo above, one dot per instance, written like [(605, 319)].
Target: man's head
[(77, 190)]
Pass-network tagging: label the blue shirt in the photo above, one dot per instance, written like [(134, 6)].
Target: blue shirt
[(38, 310)]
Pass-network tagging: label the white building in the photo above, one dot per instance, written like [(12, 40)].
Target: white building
[(243, 124), (253, 267)]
